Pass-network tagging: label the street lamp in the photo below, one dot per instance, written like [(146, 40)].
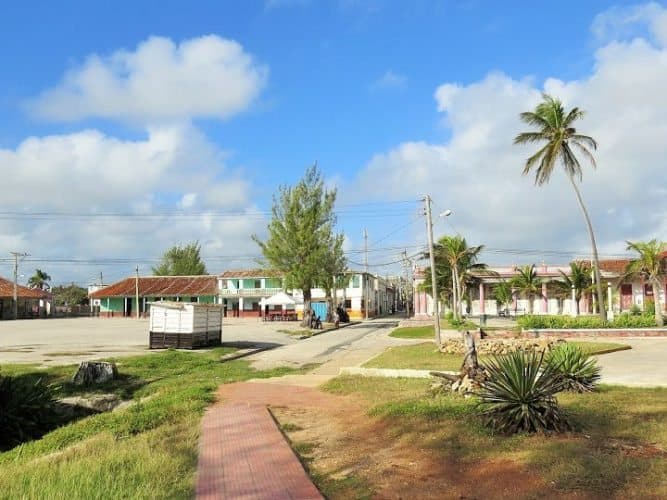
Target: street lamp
[(434, 283)]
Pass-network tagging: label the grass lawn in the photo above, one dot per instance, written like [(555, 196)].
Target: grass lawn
[(428, 332), (148, 450), (427, 357), (618, 449)]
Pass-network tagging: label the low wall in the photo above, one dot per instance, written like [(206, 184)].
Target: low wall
[(600, 332)]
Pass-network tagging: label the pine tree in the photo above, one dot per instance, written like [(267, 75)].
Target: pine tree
[(301, 242)]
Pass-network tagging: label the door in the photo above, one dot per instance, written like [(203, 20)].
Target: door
[(626, 297), (320, 309)]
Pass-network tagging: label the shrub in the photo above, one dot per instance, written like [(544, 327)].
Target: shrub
[(26, 410), (519, 394), (577, 370), (625, 320)]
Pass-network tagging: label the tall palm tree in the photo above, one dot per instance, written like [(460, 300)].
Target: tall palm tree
[(652, 266), (526, 283), (559, 140), (39, 280), (578, 279), (462, 262)]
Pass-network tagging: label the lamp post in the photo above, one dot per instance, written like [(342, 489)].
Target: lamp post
[(434, 283)]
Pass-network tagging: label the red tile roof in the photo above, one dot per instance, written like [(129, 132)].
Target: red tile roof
[(251, 273), (161, 286), (7, 291), (614, 265)]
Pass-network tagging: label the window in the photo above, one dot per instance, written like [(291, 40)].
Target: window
[(249, 284), (356, 281), (273, 283), (348, 303), (258, 283)]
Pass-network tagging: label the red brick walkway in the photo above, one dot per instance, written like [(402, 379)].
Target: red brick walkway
[(243, 455)]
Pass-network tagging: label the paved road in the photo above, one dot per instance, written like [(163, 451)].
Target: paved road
[(645, 365), (352, 345), (71, 340)]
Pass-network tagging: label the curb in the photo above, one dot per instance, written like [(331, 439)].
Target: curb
[(302, 337), (388, 372)]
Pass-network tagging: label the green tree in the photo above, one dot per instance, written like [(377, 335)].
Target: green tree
[(559, 140), (69, 295), (456, 267), (39, 280), (526, 283), (502, 293), (182, 260), (651, 264), (579, 279), (301, 242)]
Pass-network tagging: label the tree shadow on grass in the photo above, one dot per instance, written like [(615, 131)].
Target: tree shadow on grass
[(606, 456)]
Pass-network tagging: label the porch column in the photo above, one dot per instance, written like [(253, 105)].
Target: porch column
[(481, 298), (545, 298), (573, 312), (240, 307), (610, 309)]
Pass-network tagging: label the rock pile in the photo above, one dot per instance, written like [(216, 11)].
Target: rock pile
[(487, 347)]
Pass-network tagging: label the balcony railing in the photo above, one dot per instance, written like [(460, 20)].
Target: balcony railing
[(249, 292)]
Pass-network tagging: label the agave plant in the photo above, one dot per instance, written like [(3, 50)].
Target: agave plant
[(519, 394), (26, 410), (578, 372)]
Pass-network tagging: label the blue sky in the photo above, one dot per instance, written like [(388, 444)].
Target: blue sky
[(351, 84)]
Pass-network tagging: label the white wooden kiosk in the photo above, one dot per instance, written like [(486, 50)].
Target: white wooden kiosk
[(185, 325)]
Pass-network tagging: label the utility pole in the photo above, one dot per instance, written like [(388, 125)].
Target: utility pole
[(434, 283), (136, 289), (408, 283), (15, 302), (365, 280)]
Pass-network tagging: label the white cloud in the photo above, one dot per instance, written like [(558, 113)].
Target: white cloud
[(159, 81), (390, 80), (477, 171), (174, 168), (631, 21)]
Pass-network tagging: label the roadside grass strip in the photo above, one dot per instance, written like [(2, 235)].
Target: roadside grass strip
[(148, 450)]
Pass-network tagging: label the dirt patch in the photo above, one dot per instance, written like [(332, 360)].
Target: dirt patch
[(350, 454)]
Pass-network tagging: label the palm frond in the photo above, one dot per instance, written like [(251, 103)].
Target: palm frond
[(532, 118), (586, 139), (584, 151), (546, 167), (572, 116), (530, 137), (570, 162)]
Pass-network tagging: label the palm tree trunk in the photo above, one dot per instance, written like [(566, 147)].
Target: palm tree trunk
[(655, 284), (458, 292), (596, 260), (455, 301)]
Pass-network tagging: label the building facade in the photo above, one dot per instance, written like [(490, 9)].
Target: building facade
[(552, 299), (244, 293), (120, 299), (32, 302)]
